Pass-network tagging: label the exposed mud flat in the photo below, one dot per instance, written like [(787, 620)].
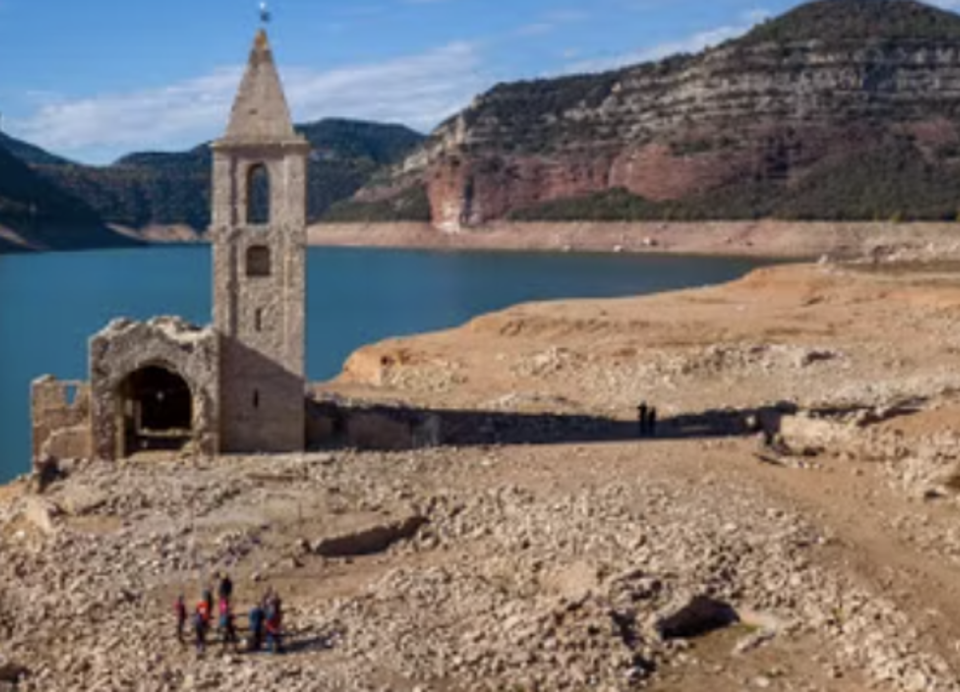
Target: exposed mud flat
[(775, 239)]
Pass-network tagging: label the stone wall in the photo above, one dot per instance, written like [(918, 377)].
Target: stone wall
[(261, 314), (126, 347), (61, 419), (260, 307)]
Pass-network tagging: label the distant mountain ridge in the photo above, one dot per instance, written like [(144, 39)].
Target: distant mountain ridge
[(836, 110), (37, 215), (839, 109), (155, 188)]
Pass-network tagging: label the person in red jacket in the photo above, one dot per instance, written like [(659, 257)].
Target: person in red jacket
[(203, 610), (275, 626)]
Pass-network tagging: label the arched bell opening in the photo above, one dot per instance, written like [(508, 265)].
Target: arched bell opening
[(155, 411), (258, 195)]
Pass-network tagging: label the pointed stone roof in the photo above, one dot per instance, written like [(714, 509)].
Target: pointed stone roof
[(260, 114)]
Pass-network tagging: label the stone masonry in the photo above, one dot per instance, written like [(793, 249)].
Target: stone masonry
[(61, 418), (238, 385), (127, 347), (260, 268)]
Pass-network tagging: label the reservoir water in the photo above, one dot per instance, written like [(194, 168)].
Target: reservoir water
[(50, 304)]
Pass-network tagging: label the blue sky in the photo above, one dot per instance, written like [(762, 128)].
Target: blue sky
[(94, 79)]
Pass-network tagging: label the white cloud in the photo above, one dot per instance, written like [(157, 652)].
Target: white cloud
[(418, 90), (690, 44)]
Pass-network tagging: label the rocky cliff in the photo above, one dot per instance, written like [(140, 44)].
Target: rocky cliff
[(840, 109)]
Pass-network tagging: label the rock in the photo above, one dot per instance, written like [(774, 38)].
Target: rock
[(79, 500), (370, 540), (699, 616), (40, 513), (11, 672)]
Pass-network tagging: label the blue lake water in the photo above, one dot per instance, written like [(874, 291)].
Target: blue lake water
[(51, 303)]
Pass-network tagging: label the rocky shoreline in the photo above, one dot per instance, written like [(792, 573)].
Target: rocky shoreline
[(771, 239), (824, 557)]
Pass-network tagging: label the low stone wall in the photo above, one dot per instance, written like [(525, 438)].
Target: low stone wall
[(61, 419), (363, 425)]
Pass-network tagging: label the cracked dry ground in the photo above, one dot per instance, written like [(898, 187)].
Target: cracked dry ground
[(544, 567)]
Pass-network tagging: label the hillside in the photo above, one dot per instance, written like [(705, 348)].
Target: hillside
[(144, 189), (45, 217), (837, 110), (29, 153)]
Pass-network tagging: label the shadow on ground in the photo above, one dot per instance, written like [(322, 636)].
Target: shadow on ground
[(334, 423)]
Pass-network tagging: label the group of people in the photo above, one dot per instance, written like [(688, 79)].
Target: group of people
[(265, 618), (646, 420)]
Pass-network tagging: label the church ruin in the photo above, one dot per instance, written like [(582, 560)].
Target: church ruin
[(237, 386)]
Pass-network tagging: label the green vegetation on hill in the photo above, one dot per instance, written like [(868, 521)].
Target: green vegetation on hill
[(139, 195), (833, 21), (28, 153), (410, 205), (148, 188), (45, 216), (339, 139), (893, 181)]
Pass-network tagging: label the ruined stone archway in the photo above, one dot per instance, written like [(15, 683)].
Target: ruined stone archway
[(125, 348), (155, 411)]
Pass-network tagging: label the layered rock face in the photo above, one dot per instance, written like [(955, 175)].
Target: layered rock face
[(795, 98)]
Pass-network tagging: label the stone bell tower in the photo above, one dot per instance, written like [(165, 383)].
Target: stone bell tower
[(259, 257)]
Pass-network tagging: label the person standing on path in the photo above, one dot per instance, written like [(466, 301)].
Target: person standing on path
[(208, 603), (200, 631), (180, 608), (228, 630), (257, 618), (225, 589), (652, 422), (203, 608), (275, 627), (642, 419), (223, 609)]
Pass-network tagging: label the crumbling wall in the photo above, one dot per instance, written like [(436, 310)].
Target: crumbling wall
[(125, 347), (61, 419), (361, 426)]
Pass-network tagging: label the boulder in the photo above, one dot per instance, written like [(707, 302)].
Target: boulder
[(11, 672), (701, 615), (370, 540), (41, 513), (78, 500)]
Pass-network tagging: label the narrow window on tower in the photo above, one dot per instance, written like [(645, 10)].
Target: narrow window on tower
[(258, 196), (258, 261), (256, 398), (258, 320)]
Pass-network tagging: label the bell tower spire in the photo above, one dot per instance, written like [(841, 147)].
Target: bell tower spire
[(259, 235)]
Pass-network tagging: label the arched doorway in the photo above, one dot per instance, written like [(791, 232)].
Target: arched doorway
[(155, 406)]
